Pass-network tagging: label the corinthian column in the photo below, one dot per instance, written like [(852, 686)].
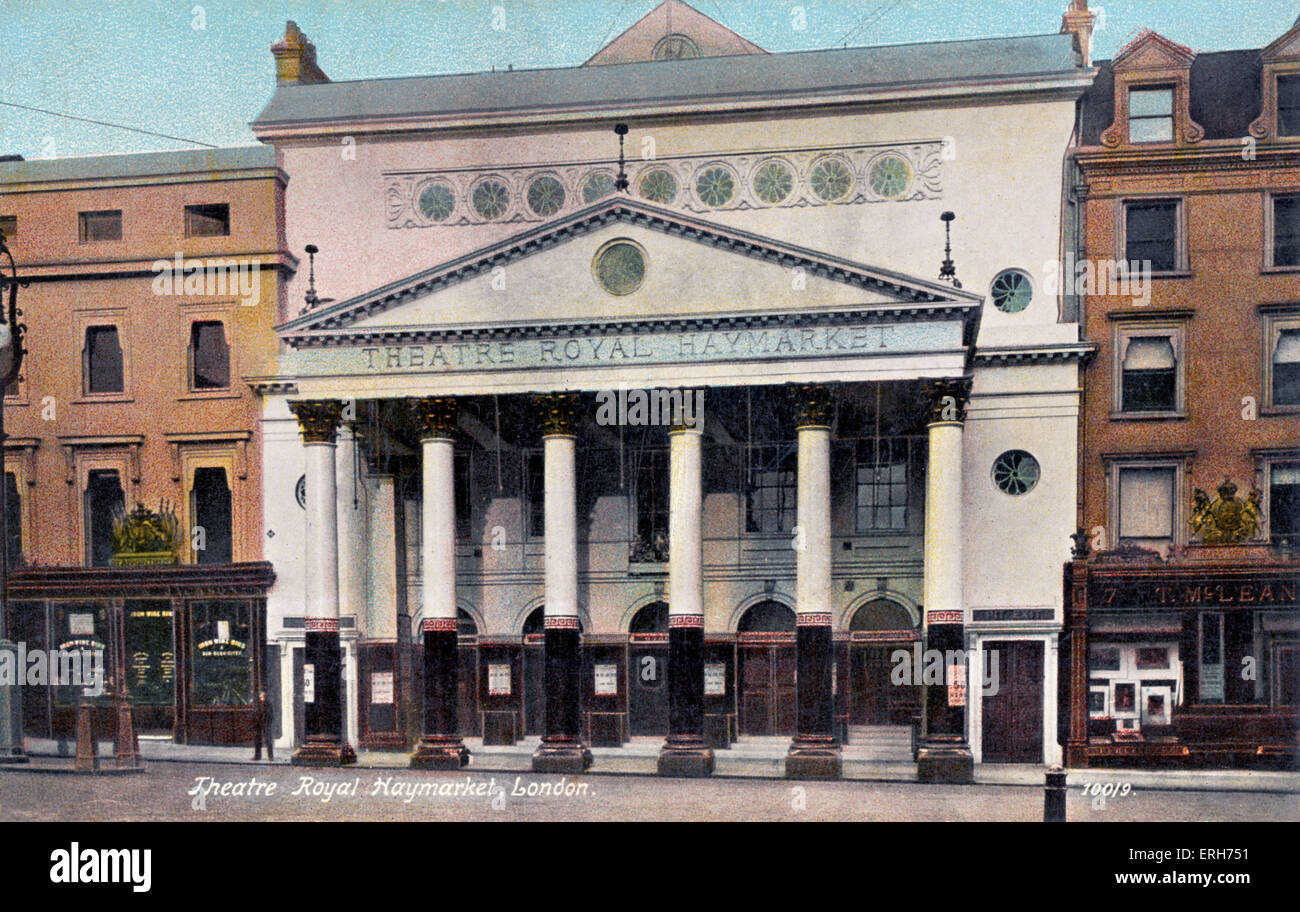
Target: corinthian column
[(945, 755), (562, 750), (324, 742), (440, 747), (814, 752)]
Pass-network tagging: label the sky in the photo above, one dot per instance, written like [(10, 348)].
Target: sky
[(202, 69)]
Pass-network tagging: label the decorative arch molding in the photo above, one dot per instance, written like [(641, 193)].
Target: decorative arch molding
[(517, 626), (880, 595), (781, 598), (468, 607)]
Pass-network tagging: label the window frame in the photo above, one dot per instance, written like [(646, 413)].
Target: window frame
[(92, 467), (195, 455), (83, 235), (191, 209), (1266, 464), (116, 317), (788, 451), (1123, 332), (910, 467), (1270, 230), (1116, 464), (1172, 89), (195, 321), (1182, 264), (1274, 319), (1293, 75)]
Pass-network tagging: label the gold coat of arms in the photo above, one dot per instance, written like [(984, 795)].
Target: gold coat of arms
[(1227, 519)]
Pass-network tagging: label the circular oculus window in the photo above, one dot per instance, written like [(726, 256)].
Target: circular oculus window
[(1011, 291), (436, 202), (597, 186), (619, 267), (490, 199), (773, 182), (545, 195), (659, 186), (715, 187), (831, 179), (890, 176), (1015, 472)]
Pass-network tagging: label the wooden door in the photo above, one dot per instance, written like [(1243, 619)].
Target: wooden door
[(534, 688), (648, 689), (1012, 730), (767, 690), (869, 686)]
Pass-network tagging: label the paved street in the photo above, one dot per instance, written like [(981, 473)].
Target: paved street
[(164, 793)]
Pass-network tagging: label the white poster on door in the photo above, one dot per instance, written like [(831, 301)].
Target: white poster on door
[(715, 679), (606, 680), (499, 680), (309, 683), (381, 687)]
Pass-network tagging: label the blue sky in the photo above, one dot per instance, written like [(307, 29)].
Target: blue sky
[(202, 69)]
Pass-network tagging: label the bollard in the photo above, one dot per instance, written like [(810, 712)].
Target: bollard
[(1054, 796), (87, 750), (126, 748)]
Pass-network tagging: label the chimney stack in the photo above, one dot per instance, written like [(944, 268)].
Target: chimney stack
[(1079, 21), (295, 58)]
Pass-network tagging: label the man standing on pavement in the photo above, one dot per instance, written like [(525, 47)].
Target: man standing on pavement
[(262, 727)]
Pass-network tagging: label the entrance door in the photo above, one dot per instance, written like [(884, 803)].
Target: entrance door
[(869, 685), (647, 671), (767, 690), (1012, 730)]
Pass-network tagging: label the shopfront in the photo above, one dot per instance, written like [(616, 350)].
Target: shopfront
[(1183, 664), (187, 644)]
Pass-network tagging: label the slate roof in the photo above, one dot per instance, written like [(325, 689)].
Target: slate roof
[(145, 164), (667, 81)]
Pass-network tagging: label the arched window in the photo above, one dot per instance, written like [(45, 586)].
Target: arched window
[(881, 614), (767, 617), (652, 618)]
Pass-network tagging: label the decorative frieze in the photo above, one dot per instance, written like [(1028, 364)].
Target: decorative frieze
[(890, 172)]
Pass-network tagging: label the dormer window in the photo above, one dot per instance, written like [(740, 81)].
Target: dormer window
[(1151, 114), (1288, 105)]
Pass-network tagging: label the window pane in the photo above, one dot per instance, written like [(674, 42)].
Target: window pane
[(210, 355), (1150, 234), (1284, 500), (1286, 368), (103, 368), (1286, 231), (207, 221), (1150, 102), (104, 501), (211, 505), (1288, 105), (1150, 378), (221, 651), (100, 226), (1146, 503), (1151, 129)]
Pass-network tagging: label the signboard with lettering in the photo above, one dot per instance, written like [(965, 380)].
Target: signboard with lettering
[(715, 679), (381, 687), (606, 680), (956, 684), (1209, 591), (499, 680), (309, 683), (81, 624)]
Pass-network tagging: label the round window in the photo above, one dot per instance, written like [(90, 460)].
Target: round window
[(1011, 291), (659, 186), (597, 186), (773, 182), (831, 179), (619, 267), (890, 176), (715, 187), (545, 195), (436, 202), (491, 199), (1015, 472)]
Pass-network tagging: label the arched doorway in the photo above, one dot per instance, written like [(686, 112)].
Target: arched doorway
[(766, 655), (535, 670), (647, 657), (877, 629)]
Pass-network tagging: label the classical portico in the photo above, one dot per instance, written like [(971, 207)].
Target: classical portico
[(478, 378)]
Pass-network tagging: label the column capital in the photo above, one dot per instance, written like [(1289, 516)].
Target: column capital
[(556, 413), (946, 399), (318, 419), (437, 416), (812, 405)]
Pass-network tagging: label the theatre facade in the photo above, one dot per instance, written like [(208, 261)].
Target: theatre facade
[(486, 517)]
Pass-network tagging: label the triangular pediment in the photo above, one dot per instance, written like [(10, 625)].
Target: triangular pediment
[(673, 30), (1153, 51), (1287, 47), (694, 270)]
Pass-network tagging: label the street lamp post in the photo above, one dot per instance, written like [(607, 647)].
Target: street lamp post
[(11, 359)]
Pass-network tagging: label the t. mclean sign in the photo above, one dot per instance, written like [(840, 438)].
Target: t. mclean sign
[(607, 349), (1263, 591)]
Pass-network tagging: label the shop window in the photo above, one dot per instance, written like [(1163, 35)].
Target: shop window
[(1288, 105), (210, 505), (105, 225), (102, 361), (13, 522), (1152, 235), (81, 629), (1286, 230), (150, 658), (209, 355), (535, 491), (1151, 115), (1146, 504), (772, 489), (222, 664), (650, 505), (882, 484), (104, 500), (207, 220), (1284, 501)]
